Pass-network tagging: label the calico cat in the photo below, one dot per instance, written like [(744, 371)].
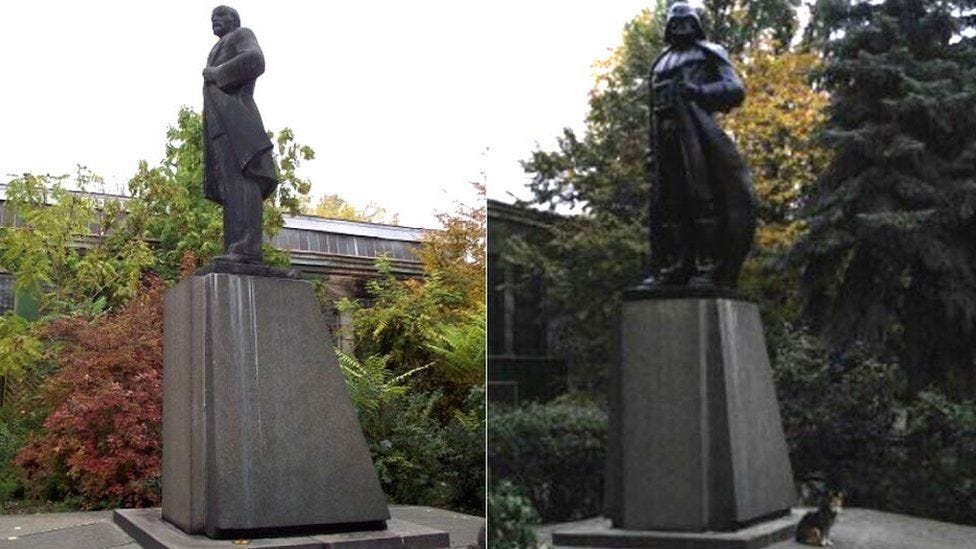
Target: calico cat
[(814, 527)]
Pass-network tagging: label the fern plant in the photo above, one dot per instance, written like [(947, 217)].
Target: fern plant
[(371, 384), (460, 348), (406, 442)]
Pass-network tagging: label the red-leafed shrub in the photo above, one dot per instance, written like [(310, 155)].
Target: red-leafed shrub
[(101, 442)]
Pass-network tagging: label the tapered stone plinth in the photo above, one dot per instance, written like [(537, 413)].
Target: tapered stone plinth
[(260, 436), (696, 438)]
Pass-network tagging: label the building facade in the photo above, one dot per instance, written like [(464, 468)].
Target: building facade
[(521, 365)]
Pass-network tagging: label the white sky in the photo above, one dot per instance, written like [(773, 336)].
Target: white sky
[(403, 102)]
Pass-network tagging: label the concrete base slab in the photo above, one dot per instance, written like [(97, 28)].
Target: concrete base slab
[(149, 529), (756, 536)]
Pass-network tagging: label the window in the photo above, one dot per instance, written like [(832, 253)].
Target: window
[(6, 293)]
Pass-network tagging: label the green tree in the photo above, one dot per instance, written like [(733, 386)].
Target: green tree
[(457, 251), (20, 348), (423, 324), (334, 206), (740, 24), (776, 130), (168, 205), (438, 320), (888, 259), (64, 251)]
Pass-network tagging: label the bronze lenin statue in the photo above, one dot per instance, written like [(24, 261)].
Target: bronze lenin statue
[(239, 171), (702, 207)]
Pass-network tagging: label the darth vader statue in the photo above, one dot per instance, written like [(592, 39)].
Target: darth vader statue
[(702, 208)]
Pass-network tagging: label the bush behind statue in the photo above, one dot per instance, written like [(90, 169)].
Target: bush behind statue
[(849, 423), (556, 452), (100, 444), (420, 459), (511, 517)]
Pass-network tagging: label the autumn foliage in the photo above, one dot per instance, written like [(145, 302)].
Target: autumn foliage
[(457, 253), (101, 441), (776, 130)]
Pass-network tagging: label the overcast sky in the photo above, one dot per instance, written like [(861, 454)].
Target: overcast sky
[(404, 102)]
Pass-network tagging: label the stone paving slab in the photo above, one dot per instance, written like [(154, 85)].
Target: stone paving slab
[(868, 529), (24, 525), (854, 529), (95, 530), (98, 534)]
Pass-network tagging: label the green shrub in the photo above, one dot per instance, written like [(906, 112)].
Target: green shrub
[(10, 439), (419, 459), (511, 518), (556, 452), (10, 442), (850, 423), (838, 416), (403, 436), (937, 458), (407, 453), (464, 457)]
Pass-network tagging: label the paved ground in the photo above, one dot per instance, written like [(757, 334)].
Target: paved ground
[(862, 529), (95, 530)]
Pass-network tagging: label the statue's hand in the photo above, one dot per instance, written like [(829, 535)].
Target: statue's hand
[(209, 75), (691, 91)]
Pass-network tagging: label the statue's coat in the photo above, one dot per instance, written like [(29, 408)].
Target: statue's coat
[(231, 118), (728, 173)]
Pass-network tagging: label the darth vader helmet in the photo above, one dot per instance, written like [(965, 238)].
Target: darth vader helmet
[(680, 11)]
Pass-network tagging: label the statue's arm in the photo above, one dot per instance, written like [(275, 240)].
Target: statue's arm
[(725, 93), (247, 64)]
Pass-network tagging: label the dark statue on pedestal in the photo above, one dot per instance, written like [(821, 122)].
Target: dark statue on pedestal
[(239, 171), (702, 207), (696, 454)]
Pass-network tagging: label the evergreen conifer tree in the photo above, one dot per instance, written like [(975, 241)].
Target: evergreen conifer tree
[(889, 258)]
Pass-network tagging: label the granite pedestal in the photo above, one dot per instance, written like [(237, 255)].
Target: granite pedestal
[(260, 437), (696, 439)]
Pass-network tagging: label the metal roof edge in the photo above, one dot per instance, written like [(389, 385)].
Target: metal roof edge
[(355, 228)]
